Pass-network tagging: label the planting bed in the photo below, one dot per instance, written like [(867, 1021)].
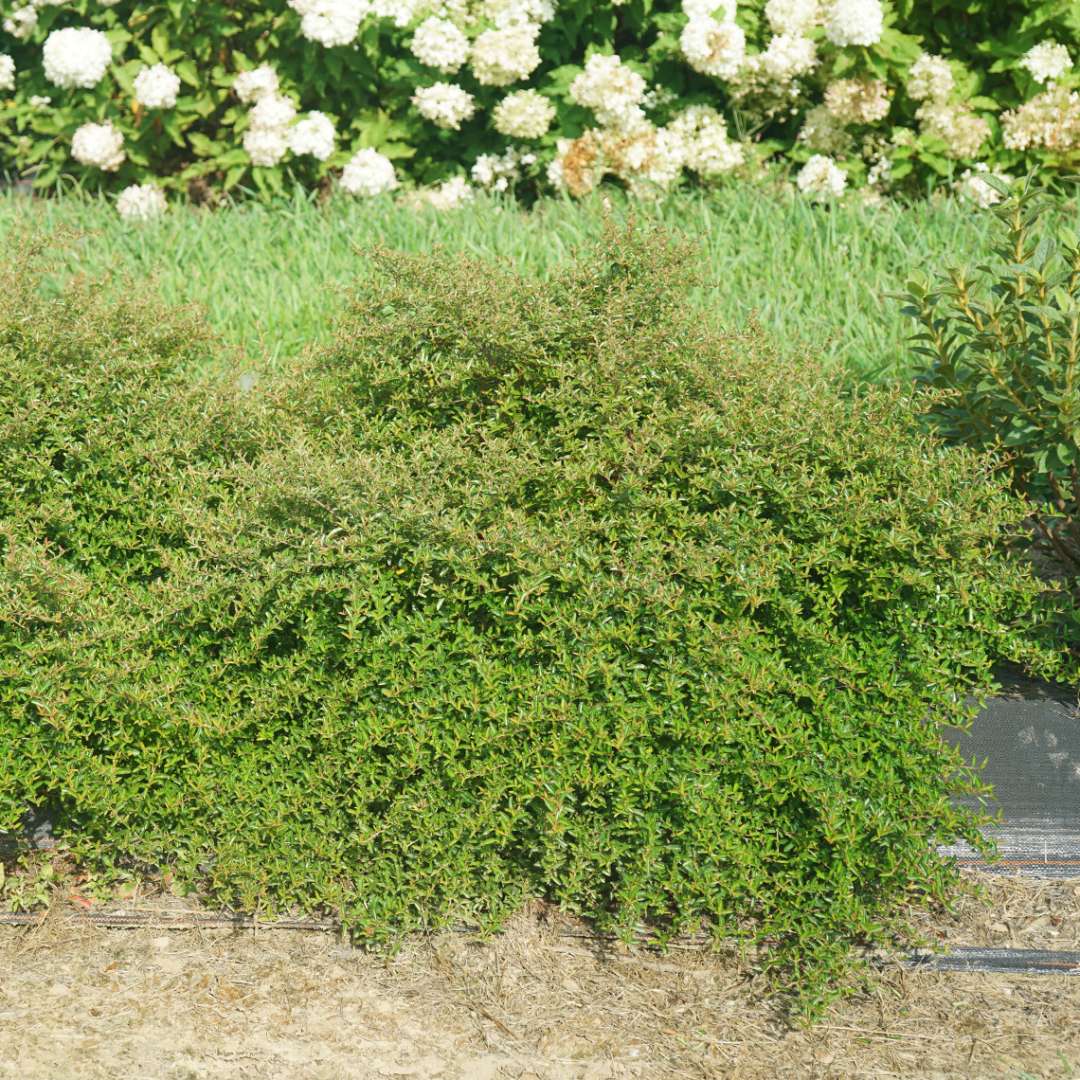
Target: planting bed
[(530, 1004)]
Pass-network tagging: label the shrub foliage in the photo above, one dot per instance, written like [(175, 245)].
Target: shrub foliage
[(517, 590), (1003, 346)]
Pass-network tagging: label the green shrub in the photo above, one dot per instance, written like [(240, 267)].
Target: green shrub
[(101, 424), (528, 590), (1003, 345)]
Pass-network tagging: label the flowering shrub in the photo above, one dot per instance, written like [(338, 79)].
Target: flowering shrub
[(894, 95)]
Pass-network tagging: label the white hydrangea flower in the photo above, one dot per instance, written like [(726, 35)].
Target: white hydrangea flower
[(157, 87), (611, 90), (1050, 120), (39, 101), (962, 131), (313, 135), (265, 145), (330, 22), (854, 22), (272, 112), (713, 48), (973, 186), (1047, 61), (368, 173), (402, 12), (857, 101), (501, 57), (498, 172), (506, 13), (792, 16), (7, 72), (930, 78), (647, 158), (266, 141), (100, 146), (21, 23), (788, 56), (524, 114), (451, 194), (821, 178), (448, 195), (76, 57), (141, 202), (444, 104), (707, 150), (257, 83), (438, 43)]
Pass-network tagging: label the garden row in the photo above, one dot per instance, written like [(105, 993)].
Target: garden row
[(441, 97)]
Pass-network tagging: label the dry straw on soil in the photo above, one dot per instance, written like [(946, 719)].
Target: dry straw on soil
[(79, 1001)]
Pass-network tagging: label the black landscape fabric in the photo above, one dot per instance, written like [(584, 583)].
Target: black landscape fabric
[(1015, 961), (1029, 738)]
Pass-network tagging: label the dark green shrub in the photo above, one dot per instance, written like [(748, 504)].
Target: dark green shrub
[(540, 590), (1003, 349)]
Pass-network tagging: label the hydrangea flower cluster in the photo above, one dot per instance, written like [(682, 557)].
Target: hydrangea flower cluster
[(499, 172), (792, 17), (857, 101), (954, 123), (502, 57), (249, 86), (76, 57), (490, 88), (141, 202), (99, 146), (330, 22), (972, 185), (267, 138), (369, 173), (707, 149), (713, 47), (157, 87), (611, 90), (1049, 121), (821, 178), (930, 78), (1047, 61), (440, 44), (314, 134), (854, 22), (445, 104), (524, 114)]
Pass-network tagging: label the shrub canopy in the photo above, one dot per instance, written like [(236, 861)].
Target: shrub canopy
[(517, 590)]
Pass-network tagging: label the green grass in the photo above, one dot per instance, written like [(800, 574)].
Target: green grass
[(269, 277)]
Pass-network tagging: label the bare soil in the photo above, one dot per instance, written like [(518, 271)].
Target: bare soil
[(78, 1002)]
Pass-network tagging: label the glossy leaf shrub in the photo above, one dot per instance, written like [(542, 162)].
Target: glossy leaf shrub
[(1001, 343)]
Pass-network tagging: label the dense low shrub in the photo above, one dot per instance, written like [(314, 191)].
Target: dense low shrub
[(517, 590), (895, 94)]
